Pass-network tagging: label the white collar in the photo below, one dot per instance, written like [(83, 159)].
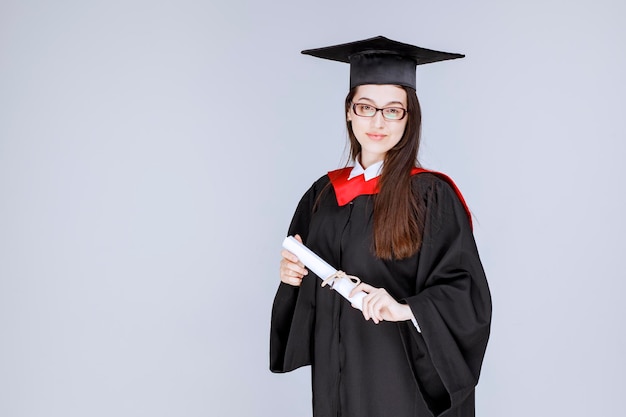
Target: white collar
[(370, 172)]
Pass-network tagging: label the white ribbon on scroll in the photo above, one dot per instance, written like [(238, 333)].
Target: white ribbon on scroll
[(323, 270)]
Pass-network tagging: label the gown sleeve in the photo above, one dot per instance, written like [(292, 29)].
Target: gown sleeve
[(293, 311), (452, 305)]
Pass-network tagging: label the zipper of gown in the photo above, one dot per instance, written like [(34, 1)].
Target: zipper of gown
[(339, 402)]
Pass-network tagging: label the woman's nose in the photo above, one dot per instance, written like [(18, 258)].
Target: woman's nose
[(378, 120)]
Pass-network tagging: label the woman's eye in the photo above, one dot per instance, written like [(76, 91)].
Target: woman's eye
[(365, 107)]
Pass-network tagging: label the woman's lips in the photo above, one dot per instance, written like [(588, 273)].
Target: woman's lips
[(375, 136)]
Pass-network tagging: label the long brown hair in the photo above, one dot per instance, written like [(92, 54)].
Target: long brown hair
[(398, 216)]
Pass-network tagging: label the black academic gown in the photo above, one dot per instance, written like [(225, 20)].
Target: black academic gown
[(362, 369)]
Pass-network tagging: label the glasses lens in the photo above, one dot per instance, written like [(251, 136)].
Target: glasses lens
[(393, 113), (364, 110)]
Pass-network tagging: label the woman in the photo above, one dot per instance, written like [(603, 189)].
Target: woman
[(417, 346)]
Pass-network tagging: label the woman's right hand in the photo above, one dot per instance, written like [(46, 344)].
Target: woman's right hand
[(291, 269)]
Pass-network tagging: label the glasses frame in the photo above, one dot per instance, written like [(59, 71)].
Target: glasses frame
[(380, 110)]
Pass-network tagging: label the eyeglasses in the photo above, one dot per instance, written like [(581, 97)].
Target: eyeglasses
[(389, 113)]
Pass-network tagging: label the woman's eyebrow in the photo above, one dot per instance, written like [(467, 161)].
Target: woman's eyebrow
[(386, 105), (365, 98)]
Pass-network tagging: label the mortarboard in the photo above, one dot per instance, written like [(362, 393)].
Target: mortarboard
[(380, 60)]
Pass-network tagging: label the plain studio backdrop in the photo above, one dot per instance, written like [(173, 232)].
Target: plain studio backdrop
[(152, 154)]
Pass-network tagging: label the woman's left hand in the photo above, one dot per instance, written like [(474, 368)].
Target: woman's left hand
[(379, 306)]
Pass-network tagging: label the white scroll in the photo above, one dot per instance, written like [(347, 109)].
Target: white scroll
[(323, 270)]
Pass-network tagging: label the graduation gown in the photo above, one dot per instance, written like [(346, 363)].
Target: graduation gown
[(362, 369)]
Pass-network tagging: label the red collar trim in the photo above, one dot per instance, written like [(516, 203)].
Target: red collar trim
[(347, 190)]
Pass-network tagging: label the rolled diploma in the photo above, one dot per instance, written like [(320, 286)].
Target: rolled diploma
[(323, 270)]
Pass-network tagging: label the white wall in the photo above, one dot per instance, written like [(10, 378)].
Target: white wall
[(144, 143)]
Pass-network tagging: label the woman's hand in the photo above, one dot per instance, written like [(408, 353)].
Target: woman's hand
[(379, 306), (291, 269)]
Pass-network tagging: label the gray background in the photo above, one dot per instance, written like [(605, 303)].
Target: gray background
[(152, 153)]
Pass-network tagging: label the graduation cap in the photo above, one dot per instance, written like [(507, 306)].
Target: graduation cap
[(380, 60)]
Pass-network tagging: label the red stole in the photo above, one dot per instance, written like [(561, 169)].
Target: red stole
[(347, 190)]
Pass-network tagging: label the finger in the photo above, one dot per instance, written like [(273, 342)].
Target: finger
[(295, 281), (289, 274), (372, 309), (290, 269), (361, 287), (368, 301), (354, 291), (366, 308), (291, 260), (299, 270), (377, 306), (377, 311), (290, 257), (298, 238)]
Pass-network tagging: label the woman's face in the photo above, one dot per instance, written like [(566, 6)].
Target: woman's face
[(377, 135)]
